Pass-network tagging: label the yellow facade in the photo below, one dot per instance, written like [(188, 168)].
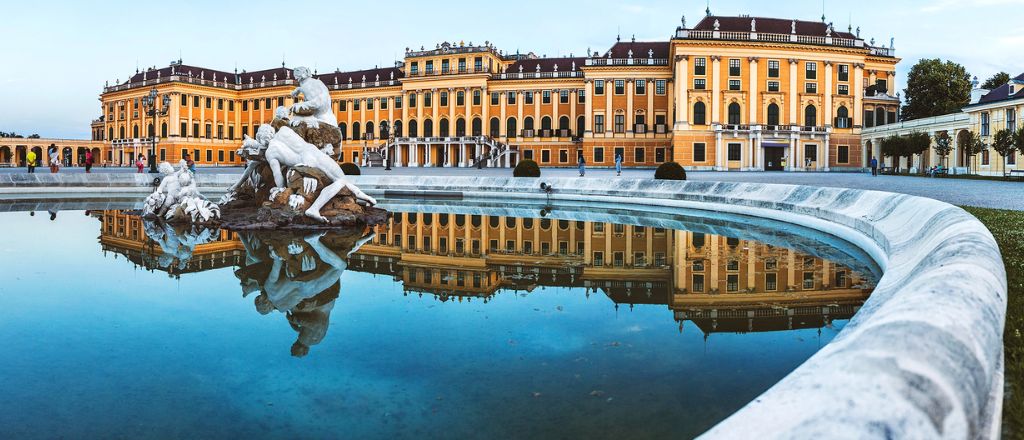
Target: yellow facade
[(988, 117), (721, 95), (14, 151)]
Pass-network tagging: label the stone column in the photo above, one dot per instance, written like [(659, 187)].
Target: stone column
[(588, 106), (716, 90), (630, 113), (794, 97), (502, 127), (719, 152), (649, 117), (858, 94), (682, 84), (609, 114), (519, 106), (573, 100), (754, 105), (537, 98), (556, 96)]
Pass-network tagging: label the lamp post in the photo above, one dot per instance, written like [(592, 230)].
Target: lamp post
[(387, 149), (149, 103)]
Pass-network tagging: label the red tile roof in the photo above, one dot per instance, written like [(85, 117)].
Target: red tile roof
[(640, 49), (769, 25), (564, 64), (356, 77)]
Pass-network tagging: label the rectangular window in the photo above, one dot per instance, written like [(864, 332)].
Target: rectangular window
[(843, 154), (840, 278), (383, 103), (699, 153), (771, 282), (735, 151), (430, 67), (985, 127), (808, 280), (1011, 119), (220, 156), (545, 156), (512, 97), (618, 259), (639, 155), (357, 105), (369, 103), (734, 84), (563, 97), (773, 86), (545, 97), (184, 101), (598, 86), (245, 105), (844, 89), (773, 68), (495, 98), (620, 87), (700, 84), (700, 66), (810, 153), (563, 156), (184, 129), (220, 104), (734, 67), (209, 156), (460, 98), (732, 283), (445, 65), (811, 71), (598, 154), (598, 123), (660, 87), (581, 96), (412, 100), (984, 156), (882, 85), (415, 68), (478, 64), (195, 101), (620, 123), (343, 105), (598, 258), (641, 87), (811, 87), (268, 104), (462, 65), (195, 130), (476, 97), (256, 104), (428, 99), (398, 102), (844, 72), (527, 98), (698, 283)]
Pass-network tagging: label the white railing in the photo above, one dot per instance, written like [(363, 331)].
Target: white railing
[(627, 62), (534, 75), (693, 34)]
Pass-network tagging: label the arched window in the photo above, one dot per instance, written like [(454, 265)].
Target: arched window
[(581, 125), (510, 127), (699, 113), (545, 125), (135, 131), (510, 222), (460, 126), (810, 116), (344, 131), (428, 128), (734, 114), (773, 114), (478, 127), (879, 116), (528, 123), (495, 128), (150, 130), (563, 123), (398, 128), (414, 128), (842, 117), (163, 129), (110, 133), (355, 131), (443, 128), (493, 221), (385, 130), (369, 130), (121, 132)]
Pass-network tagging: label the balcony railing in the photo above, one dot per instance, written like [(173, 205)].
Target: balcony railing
[(536, 75), (693, 34), (446, 72), (627, 61), (640, 129)]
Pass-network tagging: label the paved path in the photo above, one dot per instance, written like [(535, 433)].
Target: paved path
[(983, 193)]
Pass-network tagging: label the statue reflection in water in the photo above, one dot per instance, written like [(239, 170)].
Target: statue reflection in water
[(298, 275)]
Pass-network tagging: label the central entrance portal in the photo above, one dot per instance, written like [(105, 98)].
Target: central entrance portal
[(774, 159)]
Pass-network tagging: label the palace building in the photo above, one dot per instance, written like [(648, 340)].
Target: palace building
[(731, 93)]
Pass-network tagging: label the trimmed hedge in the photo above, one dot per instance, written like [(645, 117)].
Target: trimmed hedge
[(670, 171), (526, 168), (350, 169)]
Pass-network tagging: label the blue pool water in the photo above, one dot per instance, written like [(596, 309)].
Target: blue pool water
[(106, 335)]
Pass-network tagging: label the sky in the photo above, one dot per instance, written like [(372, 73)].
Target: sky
[(58, 54)]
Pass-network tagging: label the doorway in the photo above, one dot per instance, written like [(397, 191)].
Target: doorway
[(774, 159)]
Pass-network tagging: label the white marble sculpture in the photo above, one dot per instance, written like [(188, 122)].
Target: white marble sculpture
[(316, 105), (286, 149), (252, 151), (177, 242), (178, 199)]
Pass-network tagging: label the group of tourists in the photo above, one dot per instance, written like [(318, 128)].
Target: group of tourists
[(582, 164), (32, 161)]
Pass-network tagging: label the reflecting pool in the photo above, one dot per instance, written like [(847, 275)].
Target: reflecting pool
[(450, 321)]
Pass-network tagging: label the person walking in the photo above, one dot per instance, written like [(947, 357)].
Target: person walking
[(618, 164), (583, 166), (88, 162), (54, 160), (139, 165), (874, 166), (30, 161)]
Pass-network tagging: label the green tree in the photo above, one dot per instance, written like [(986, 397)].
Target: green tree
[(943, 146), (914, 144), (934, 88), (33, 136), (892, 146), (1004, 143), (971, 146), (996, 81)]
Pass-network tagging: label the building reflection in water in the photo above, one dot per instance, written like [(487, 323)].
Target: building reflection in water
[(720, 284)]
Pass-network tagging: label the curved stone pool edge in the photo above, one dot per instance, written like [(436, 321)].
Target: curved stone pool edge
[(922, 358)]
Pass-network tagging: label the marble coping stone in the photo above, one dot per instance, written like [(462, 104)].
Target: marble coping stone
[(923, 358)]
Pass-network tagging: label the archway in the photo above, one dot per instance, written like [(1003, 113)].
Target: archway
[(80, 156), (20, 154), (5, 155), (398, 128), (962, 159), (96, 156), (66, 155)]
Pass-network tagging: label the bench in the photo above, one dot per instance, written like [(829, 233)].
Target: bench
[(939, 172), (1013, 174), (886, 170)]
